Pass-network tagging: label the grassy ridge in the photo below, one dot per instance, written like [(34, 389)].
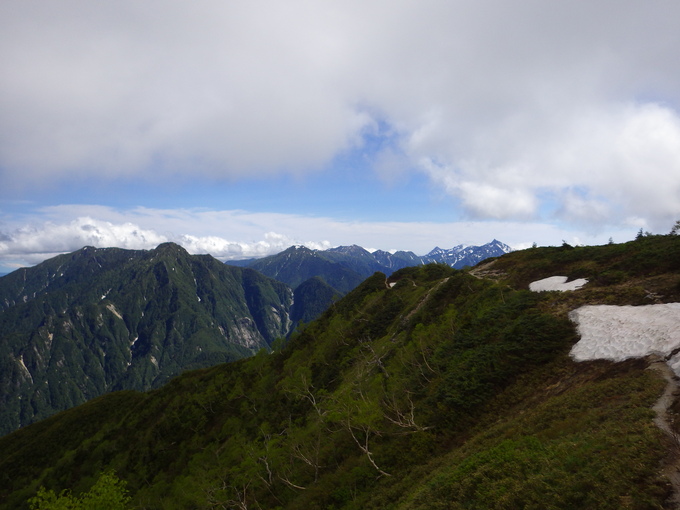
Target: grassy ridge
[(559, 453), (444, 390)]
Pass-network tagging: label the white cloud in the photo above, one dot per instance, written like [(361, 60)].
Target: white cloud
[(209, 88), (34, 243), (511, 102), (221, 248), (233, 234), (31, 244), (625, 157)]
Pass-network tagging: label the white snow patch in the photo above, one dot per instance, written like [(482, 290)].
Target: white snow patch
[(556, 283), (617, 333)]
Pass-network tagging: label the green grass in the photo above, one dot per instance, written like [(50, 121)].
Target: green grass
[(593, 446)]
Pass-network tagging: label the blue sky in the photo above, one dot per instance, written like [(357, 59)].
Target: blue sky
[(238, 129)]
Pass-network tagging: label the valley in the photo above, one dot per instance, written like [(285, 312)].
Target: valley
[(441, 389)]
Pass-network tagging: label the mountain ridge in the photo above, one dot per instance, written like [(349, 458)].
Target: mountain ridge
[(430, 388), (112, 319), (344, 267), (100, 319)]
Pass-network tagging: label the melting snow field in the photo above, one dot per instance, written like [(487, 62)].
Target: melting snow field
[(557, 283), (620, 332), (617, 333)]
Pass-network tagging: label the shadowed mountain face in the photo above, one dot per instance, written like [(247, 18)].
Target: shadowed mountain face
[(97, 320), (298, 264)]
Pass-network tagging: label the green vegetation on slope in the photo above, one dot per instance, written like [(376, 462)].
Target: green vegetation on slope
[(298, 264), (310, 299), (647, 257), (97, 320), (108, 493), (443, 390)]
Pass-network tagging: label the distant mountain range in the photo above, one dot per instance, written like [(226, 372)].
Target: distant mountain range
[(344, 267), (460, 256)]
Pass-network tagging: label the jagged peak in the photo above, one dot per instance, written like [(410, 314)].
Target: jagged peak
[(435, 250), (499, 244)]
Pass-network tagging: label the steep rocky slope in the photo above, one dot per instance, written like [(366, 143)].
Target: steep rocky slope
[(97, 320)]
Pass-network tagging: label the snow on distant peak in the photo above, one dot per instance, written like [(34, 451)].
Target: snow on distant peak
[(617, 333), (559, 283)]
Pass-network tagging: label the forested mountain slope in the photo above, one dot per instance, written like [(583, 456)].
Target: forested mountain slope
[(97, 320), (434, 388), (344, 267), (298, 264)]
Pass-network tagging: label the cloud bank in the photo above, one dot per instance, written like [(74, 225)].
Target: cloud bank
[(518, 111), (236, 234), (31, 245)]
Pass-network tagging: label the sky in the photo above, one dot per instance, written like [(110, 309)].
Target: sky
[(238, 128)]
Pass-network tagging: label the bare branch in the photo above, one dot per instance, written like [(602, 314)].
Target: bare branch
[(364, 447), (291, 484), (403, 419)]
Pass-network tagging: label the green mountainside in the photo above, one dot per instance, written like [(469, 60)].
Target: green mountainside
[(320, 277), (317, 277), (362, 261), (344, 267), (97, 320), (298, 264), (310, 299), (433, 388)]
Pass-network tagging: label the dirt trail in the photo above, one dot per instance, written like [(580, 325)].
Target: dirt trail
[(423, 300), (483, 271), (671, 466)]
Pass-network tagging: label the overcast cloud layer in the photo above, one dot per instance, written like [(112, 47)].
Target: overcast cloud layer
[(526, 111)]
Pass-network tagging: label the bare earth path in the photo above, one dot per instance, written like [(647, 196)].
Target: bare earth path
[(671, 467)]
